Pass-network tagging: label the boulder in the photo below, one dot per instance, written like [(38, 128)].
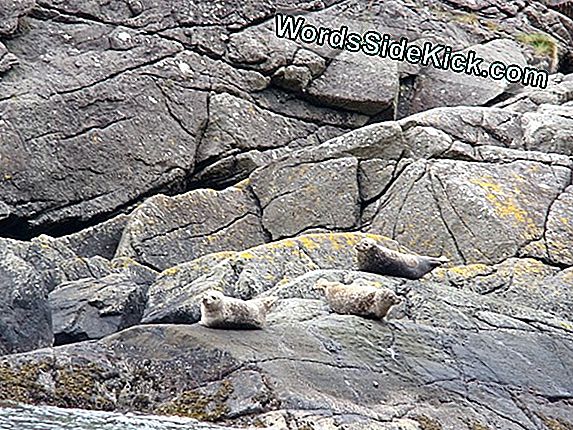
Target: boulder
[(94, 308), (25, 313), (165, 231), (99, 240)]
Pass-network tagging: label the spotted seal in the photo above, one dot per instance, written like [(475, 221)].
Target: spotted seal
[(378, 259), (220, 311)]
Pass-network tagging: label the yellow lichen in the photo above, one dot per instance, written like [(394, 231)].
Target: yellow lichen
[(469, 271), (504, 204), (427, 423), (200, 406), (172, 271)]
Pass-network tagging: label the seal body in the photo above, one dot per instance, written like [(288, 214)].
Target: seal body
[(378, 259), (362, 300), (220, 311)]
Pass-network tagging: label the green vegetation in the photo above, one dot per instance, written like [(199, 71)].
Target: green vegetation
[(467, 18), (540, 42)]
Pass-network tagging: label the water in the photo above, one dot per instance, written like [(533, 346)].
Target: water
[(26, 417)]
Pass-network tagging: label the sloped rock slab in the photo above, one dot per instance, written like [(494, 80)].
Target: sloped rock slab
[(473, 212), (485, 360), (295, 196), (174, 297), (101, 240), (165, 231)]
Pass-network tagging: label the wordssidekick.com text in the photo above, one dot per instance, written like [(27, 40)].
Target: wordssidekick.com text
[(376, 44)]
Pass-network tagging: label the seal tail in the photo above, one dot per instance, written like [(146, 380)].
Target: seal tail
[(438, 261)]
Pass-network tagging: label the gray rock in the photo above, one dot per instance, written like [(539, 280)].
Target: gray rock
[(25, 317), (94, 308), (7, 60), (226, 130), (524, 281), (555, 244), (435, 87), (165, 231), (101, 240), (10, 12), (493, 361), (28, 416), (372, 88), (292, 78), (296, 196), (452, 205), (549, 129), (174, 297)]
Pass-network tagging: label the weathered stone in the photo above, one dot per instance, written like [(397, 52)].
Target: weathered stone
[(435, 87), (34, 416), (7, 60), (452, 344), (226, 130), (11, 11), (525, 282), (101, 240), (355, 81), (174, 297), (555, 246), (295, 197), (165, 231), (94, 308), (25, 319), (292, 78), (471, 212)]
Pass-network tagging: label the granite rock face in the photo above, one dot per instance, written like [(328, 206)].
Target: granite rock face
[(106, 104), (150, 151)]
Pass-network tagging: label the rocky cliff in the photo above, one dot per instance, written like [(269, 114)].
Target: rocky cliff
[(150, 151)]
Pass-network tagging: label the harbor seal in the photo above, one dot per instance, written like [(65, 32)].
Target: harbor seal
[(362, 300), (220, 311), (375, 258)]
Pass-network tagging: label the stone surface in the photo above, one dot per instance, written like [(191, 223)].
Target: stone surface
[(94, 308), (294, 196), (134, 94), (25, 314), (165, 231), (10, 12), (496, 363), (435, 87), (357, 82), (472, 212), (174, 296), (101, 240)]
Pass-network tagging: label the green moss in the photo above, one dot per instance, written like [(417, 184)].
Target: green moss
[(427, 423), (542, 43), (200, 406)]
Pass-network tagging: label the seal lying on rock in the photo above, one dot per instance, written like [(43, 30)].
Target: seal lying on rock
[(220, 311), (363, 300), (375, 258)]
